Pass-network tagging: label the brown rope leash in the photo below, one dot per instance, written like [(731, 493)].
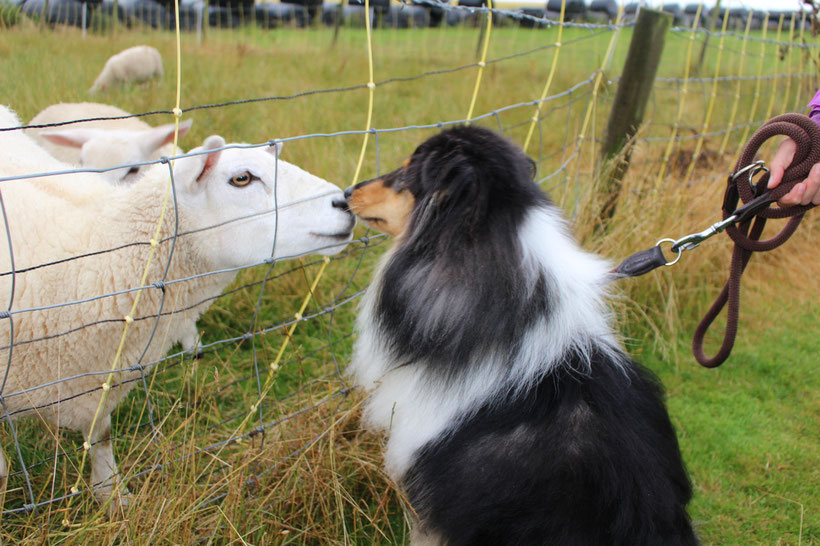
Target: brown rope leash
[(746, 234), (743, 224)]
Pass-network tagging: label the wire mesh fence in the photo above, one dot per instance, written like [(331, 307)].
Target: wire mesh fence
[(271, 349)]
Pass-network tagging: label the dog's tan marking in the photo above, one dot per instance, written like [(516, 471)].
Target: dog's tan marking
[(381, 208)]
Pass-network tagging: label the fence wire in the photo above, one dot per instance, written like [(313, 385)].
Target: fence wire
[(209, 388)]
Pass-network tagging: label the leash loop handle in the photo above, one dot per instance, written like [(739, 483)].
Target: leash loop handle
[(749, 219)]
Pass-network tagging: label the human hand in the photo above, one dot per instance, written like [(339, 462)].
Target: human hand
[(803, 193)]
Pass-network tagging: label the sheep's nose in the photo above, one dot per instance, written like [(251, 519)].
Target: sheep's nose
[(340, 204)]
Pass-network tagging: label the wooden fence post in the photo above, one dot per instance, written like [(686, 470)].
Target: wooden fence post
[(634, 88), (337, 23)]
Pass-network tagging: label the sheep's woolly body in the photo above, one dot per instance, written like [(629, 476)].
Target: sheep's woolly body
[(129, 216), (93, 215), (81, 205), (135, 64), (62, 231)]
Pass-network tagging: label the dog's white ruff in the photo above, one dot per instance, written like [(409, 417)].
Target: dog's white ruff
[(414, 408)]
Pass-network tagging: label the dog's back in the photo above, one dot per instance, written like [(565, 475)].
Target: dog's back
[(579, 459)]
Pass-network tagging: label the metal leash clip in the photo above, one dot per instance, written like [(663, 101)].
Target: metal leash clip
[(644, 261), (691, 241)]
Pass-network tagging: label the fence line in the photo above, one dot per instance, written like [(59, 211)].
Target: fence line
[(580, 130)]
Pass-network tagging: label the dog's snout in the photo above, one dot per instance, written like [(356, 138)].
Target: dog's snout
[(341, 204), (348, 193)]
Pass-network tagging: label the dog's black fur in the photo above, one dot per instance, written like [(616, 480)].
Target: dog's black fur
[(599, 465), (584, 453)]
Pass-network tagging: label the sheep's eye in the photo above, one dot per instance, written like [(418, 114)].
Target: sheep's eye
[(242, 179), (133, 170)]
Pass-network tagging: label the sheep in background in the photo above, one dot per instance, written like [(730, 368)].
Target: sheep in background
[(103, 143), (283, 212), (135, 64)]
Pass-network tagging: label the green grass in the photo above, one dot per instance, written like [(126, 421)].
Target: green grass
[(748, 430)]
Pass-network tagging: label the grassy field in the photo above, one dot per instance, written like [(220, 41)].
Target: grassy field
[(748, 430)]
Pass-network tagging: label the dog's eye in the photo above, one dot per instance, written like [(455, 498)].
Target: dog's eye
[(533, 167), (241, 180)]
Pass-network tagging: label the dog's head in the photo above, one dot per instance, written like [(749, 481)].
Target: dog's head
[(458, 181), (458, 207)]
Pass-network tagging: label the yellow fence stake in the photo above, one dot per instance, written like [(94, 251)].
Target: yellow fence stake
[(588, 115), (371, 86), (758, 82), (483, 62), (129, 319), (789, 57), (712, 98), (274, 367), (798, 107), (736, 96), (537, 115), (770, 107), (684, 90)]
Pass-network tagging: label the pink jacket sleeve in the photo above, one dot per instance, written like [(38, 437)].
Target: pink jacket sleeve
[(814, 108)]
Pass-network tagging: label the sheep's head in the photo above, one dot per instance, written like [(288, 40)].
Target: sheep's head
[(249, 205), (104, 148)]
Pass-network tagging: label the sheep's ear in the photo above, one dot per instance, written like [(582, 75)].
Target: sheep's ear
[(276, 149), (213, 142), (189, 170), (153, 139), (185, 126), (70, 137)]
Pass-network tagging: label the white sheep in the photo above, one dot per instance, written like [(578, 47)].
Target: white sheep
[(135, 64), (227, 204), (106, 143)]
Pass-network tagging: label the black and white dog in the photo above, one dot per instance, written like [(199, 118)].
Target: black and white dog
[(513, 415)]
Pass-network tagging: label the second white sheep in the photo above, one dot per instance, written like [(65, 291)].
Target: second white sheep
[(104, 143)]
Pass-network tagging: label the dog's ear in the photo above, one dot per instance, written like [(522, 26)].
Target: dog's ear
[(452, 186), (448, 177)]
